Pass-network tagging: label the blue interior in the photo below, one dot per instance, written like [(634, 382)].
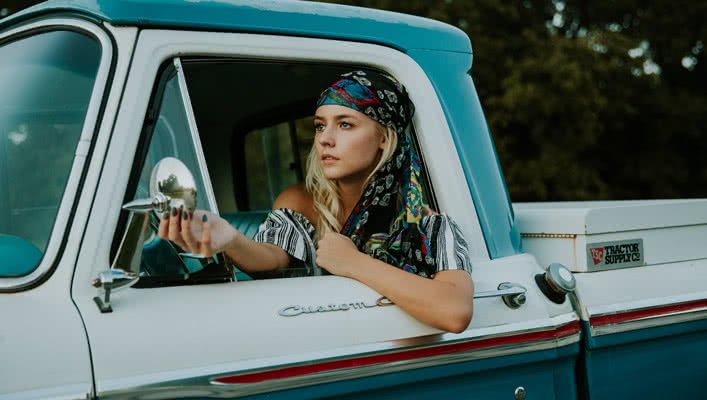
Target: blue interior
[(247, 222), (18, 257)]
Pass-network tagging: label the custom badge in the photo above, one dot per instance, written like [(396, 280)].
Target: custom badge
[(617, 254), (295, 310)]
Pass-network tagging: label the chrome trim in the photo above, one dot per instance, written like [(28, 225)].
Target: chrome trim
[(196, 141), (510, 291), (200, 381), (649, 322), (548, 235), (699, 312), (601, 310), (60, 229)]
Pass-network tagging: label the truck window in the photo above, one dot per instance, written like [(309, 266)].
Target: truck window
[(46, 82), (255, 140)]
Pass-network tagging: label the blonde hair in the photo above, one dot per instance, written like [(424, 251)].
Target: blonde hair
[(325, 192)]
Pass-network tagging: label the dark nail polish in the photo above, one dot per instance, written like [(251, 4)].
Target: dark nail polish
[(184, 214), (205, 218), (165, 215), (174, 211)]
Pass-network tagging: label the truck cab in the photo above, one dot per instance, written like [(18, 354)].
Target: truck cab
[(96, 94)]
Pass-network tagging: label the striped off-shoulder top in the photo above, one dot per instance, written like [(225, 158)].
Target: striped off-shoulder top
[(292, 231)]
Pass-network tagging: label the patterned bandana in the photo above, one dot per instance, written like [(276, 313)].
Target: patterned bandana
[(386, 221)]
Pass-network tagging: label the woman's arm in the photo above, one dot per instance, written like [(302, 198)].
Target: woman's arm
[(205, 233), (445, 302), (214, 234)]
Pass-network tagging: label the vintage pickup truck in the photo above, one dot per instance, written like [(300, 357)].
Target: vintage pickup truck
[(598, 300)]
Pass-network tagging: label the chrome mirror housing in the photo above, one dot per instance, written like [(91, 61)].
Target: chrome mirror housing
[(171, 185)]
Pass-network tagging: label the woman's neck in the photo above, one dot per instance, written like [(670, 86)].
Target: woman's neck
[(350, 194)]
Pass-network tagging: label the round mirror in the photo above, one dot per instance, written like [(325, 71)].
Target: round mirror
[(172, 185)]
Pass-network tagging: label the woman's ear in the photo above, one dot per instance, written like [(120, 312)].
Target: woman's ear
[(381, 143)]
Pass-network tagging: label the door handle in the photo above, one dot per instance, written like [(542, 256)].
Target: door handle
[(512, 294)]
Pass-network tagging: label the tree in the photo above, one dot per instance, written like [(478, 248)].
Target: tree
[(588, 100)]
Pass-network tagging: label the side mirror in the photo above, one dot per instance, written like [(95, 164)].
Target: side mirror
[(171, 185)]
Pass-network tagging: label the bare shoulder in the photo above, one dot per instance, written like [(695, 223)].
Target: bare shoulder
[(296, 198)]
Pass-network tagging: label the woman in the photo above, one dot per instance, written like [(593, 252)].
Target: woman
[(361, 205)]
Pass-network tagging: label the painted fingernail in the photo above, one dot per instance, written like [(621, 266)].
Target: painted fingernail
[(204, 218), (184, 215), (174, 211), (165, 215)]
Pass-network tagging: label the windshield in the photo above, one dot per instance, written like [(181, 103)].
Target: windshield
[(46, 82)]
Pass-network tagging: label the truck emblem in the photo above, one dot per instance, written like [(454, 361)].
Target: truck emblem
[(616, 254), (597, 255), (293, 311)]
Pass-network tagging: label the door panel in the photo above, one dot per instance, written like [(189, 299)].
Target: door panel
[(645, 339)]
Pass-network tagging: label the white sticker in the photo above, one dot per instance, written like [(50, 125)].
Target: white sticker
[(617, 254)]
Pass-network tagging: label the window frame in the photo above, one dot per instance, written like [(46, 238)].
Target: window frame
[(66, 207), (156, 47), (429, 123)]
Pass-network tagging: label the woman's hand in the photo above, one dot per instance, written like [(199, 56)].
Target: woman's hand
[(200, 232), (338, 254)]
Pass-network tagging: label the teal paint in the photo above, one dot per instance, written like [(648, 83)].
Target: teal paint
[(286, 17), (448, 72)]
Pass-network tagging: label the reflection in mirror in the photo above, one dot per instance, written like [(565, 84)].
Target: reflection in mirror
[(172, 178), (171, 185)]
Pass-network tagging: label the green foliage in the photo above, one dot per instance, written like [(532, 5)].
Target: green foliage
[(585, 99)]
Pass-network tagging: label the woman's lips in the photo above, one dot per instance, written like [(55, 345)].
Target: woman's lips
[(327, 159)]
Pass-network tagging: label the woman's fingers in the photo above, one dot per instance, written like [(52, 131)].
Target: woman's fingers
[(205, 244), (187, 235), (174, 227), (163, 230)]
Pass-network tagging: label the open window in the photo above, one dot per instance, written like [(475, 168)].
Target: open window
[(254, 123)]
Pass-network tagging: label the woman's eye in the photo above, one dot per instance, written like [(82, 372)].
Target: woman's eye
[(345, 125), (318, 127)]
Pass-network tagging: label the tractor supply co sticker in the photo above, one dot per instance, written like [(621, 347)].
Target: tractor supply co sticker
[(618, 254)]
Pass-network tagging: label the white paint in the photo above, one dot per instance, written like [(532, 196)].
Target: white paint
[(42, 340), (672, 230)]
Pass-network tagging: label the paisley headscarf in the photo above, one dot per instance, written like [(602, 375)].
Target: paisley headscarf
[(386, 221)]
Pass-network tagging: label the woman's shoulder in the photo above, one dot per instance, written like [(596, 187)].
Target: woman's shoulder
[(435, 224), (297, 198)]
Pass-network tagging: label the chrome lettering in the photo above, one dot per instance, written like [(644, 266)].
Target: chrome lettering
[(293, 311), (290, 311)]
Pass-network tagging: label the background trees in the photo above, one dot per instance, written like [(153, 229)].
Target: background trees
[(588, 99), (585, 99)]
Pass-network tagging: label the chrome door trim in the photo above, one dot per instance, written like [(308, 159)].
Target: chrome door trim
[(59, 231), (271, 374), (651, 313), (194, 130)]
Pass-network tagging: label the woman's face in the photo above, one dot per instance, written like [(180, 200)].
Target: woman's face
[(347, 141)]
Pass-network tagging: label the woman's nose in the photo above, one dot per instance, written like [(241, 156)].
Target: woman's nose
[(326, 137)]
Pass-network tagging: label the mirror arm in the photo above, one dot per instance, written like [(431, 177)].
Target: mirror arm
[(125, 269)]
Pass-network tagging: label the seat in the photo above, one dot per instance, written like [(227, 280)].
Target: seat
[(18, 257), (247, 222)]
